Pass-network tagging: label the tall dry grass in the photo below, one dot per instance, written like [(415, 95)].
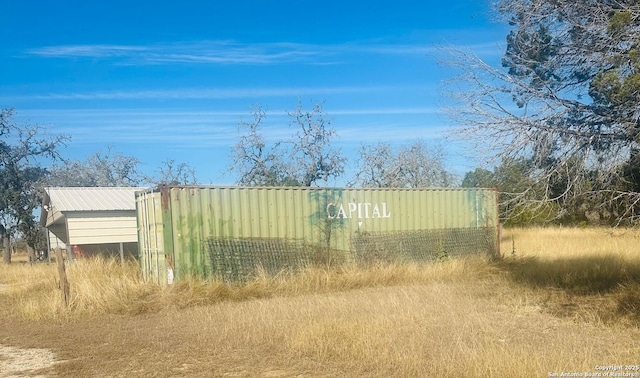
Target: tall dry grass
[(99, 285), (105, 286), (562, 300), (558, 262)]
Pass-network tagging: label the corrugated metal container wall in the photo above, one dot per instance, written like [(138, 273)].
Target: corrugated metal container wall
[(151, 236), (181, 228)]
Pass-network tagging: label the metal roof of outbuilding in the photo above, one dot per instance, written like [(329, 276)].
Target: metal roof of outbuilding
[(92, 199)]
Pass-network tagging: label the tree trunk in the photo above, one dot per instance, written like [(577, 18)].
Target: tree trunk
[(6, 251), (32, 254)]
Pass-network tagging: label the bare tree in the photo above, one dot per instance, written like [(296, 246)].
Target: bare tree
[(106, 168), (412, 166), (565, 99), (256, 162), (307, 159), (173, 173), (314, 160), (378, 167)]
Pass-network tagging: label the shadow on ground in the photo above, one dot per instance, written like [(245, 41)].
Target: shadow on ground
[(578, 275), (608, 285)]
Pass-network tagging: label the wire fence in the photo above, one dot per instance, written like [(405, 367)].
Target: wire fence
[(236, 259)]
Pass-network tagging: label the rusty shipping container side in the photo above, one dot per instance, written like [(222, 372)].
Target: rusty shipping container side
[(229, 231)]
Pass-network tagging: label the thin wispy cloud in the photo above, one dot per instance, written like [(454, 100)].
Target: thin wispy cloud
[(206, 136), (220, 128), (218, 52), (87, 51), (214, 93), (226, 52), (387, 111), (186, 115)]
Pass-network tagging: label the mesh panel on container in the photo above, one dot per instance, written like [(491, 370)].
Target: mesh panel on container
[(235, 259), (421, 245)]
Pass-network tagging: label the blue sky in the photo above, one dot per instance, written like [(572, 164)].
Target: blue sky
[(172, 80)]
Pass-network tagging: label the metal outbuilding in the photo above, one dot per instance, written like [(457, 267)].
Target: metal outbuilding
[(92, 220)]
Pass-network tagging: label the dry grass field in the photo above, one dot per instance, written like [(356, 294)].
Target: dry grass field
[(563, 300)]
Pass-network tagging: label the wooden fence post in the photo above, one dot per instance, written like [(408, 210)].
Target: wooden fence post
[(64, 283)]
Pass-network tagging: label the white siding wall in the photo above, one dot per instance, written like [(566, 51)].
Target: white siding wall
[(57, 234), (54, 241), (102, 227)]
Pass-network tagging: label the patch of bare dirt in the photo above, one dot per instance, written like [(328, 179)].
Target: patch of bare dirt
[(21, 362), (18, 362)]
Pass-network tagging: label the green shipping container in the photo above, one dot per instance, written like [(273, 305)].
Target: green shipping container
[(228, 232)]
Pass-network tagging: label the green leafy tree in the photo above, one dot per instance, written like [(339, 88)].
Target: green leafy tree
[(22, 150), (565, 97), (513, 184), (479, 178)]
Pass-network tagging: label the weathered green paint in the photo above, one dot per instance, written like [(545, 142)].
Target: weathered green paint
[(186, 220)]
